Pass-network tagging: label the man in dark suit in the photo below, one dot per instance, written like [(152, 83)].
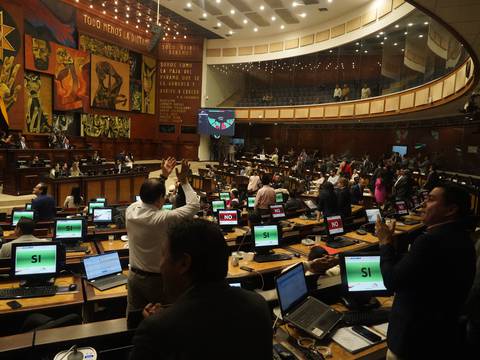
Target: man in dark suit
[(431, 282), (43, 205), (403, 186), (207, 318)]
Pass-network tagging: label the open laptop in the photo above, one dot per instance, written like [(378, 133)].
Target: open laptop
[(104, 271), (305, 312)]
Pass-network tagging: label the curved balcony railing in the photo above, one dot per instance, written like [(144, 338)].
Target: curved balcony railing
[(428, 95)]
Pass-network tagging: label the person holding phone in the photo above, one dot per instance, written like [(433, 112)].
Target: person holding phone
[(432, 280)]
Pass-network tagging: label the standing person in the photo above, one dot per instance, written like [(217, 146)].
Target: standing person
[(345, 92), (366, 92), (344, 199), (43, 204), (432, 178), (206, 314), (231, 153), (327, 201), (337, 93), (423, 322), (147, 225), (254, 182), (380, 188), (266, 195)]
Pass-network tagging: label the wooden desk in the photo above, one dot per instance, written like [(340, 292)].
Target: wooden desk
[(266, 267), (115, 245), (365, 241), (377, 351), (76, 257), (238, 232), (117, 188), (30, 304), (93, 294)]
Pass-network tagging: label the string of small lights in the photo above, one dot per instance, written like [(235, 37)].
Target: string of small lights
[(137, 14)]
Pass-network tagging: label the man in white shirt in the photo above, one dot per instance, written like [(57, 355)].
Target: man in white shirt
[(337, 93), (365, 92), (333, 178), (266, 195), (24, 234), (147, 225), (254, 183)]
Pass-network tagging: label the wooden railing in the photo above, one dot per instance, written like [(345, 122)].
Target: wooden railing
[(429, 95)]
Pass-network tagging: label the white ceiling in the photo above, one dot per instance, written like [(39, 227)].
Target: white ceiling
[(238, 19)]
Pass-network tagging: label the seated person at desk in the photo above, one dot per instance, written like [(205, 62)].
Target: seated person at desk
[(36, 161), (431, 282), (75, 169), (74, 200), (294, 201), (327, 201), (22, 144), (55, 171), (43, 204), (265, 196), (6, 140), (234, 202), (206, 315), (23, 233)]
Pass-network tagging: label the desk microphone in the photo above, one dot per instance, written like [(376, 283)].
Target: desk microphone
[(75, 353)]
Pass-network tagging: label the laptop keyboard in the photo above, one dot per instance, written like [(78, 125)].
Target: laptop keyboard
[(271, 257), (307, 314), (111, 282), (28, 292)]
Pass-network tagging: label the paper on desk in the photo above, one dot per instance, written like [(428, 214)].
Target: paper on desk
[(351, 341), (381, 328)]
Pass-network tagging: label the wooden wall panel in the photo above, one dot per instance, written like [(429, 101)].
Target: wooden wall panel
[(436, 91), (291, 44), (124, 186), (307, 40), (94, 190), (301, 113), (137, 184), (362, 108), (421, 97), (407, 101), (322, 36), (271, 113), (110, 190), (247, 50), (286, 113), (261, 49), (354, 24), (338, 31), (277, 46), (449, 86), (392, 103), (347, 110), (332, 111), (317, 112)]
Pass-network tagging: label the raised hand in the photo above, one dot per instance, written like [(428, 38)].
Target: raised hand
[(384, 232), (184, 171), (168, 166)]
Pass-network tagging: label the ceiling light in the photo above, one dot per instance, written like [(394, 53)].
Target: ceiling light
[(331, 51), (128, 8), (403, 49), (410, 24), (395, 44), (381, 43), (378, 36), (232, 11), (189, 5), (295, 4), (405, 33), (218, 1), (381, 33), (356, 50), (366, 51), (230, 32), (330, 1), (385, 38), (219, 24), (262, 7), (255, 29), (357, 43), (425, 23), (282, 27), (397, 26), (273, 18), (303, 15), (245, 21), (420, 36), (204, 15)]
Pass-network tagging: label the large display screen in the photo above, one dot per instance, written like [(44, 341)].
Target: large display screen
[(17, 215), (69, 229), (227, 217), (265, 235), (335, 225), (401, 149), (363, 273), (216, 122), (35, 259)]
